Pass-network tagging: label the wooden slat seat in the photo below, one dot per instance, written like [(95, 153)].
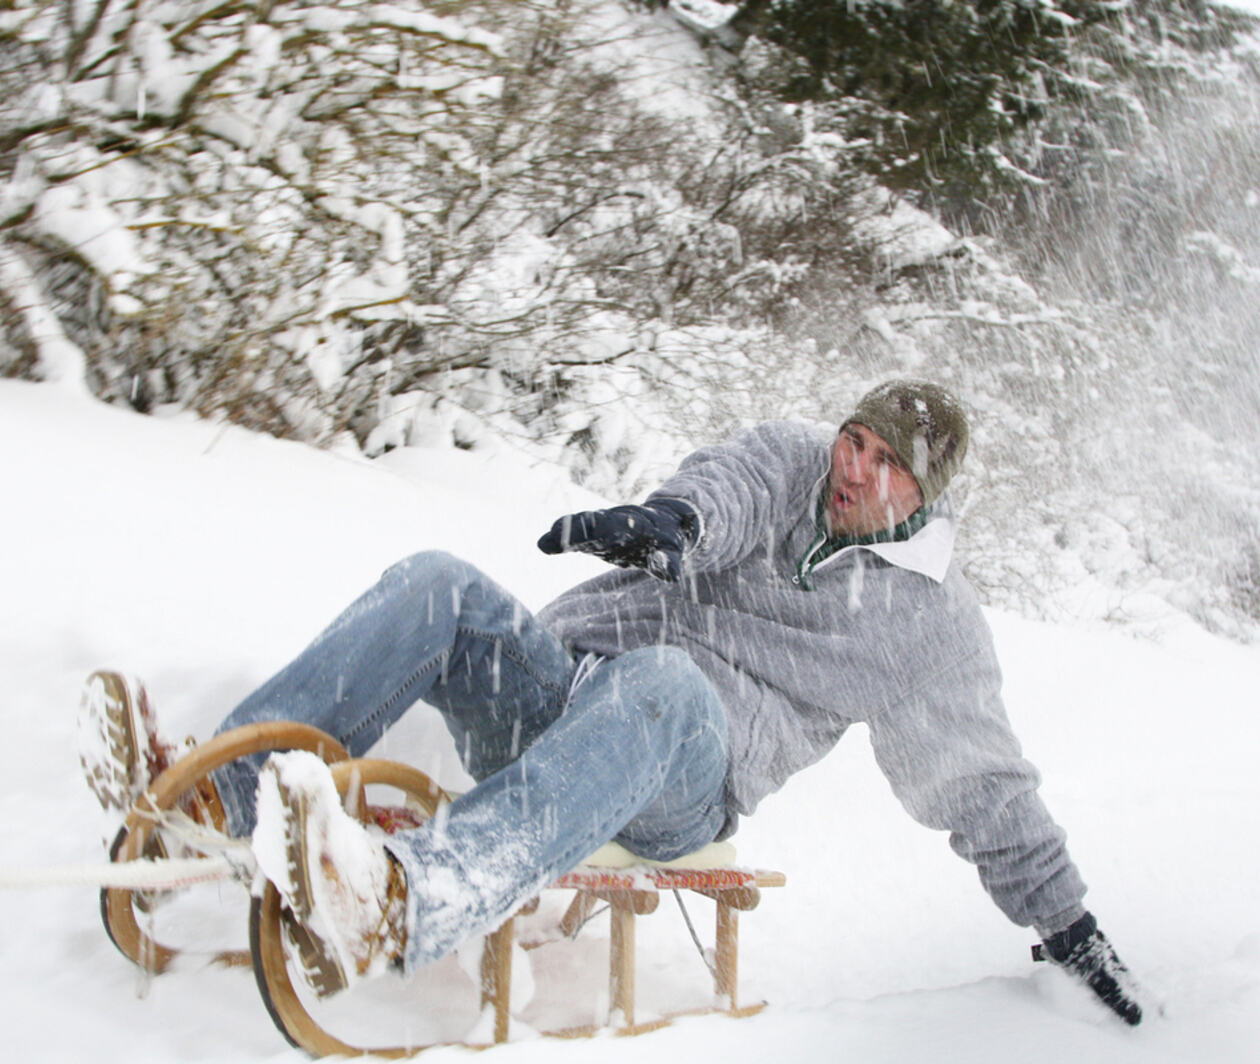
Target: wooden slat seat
[(631, 887)]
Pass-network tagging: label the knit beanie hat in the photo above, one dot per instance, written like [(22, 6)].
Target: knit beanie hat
[(924, 424)]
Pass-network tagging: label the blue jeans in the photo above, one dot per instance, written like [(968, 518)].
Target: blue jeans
[(637, 751)]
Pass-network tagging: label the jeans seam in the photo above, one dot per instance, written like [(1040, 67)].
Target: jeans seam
[(510, 651), (385, 706)]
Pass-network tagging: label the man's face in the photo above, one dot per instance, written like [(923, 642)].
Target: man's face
[(868, 488)]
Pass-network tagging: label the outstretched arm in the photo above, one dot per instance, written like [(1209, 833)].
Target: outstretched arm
[(955, 764), (655, 536), (723, 501)]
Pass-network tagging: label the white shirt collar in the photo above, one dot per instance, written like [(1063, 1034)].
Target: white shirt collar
[(928, 552)]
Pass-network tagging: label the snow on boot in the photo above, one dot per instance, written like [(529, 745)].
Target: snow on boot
[(346, 895), (120, 747)]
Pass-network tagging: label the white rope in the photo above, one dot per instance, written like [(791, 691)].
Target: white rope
[(224, 858), (163, 874)]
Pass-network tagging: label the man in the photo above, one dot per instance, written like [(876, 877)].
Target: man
[(775, 590)]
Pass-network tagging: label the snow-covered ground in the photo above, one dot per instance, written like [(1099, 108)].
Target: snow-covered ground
[(202, 558)]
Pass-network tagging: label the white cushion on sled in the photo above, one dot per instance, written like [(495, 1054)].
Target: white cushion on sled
[(613, 855)]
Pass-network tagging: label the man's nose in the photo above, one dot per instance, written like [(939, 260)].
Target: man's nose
[(854, 465)]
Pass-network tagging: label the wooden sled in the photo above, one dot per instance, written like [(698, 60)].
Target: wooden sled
[(628, 892)]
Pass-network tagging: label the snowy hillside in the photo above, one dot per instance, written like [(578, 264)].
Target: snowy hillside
[(203, 557)]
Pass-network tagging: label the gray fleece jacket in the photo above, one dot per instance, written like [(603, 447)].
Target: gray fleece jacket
[(891, 636)]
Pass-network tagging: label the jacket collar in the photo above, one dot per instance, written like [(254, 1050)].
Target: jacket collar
[(928, 552)]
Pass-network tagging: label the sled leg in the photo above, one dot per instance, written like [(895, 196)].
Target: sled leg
[(496, 978), (577, 913), (726, 959), (624, 906), (730, 903), (621, 965)]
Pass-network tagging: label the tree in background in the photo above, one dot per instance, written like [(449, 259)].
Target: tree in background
[(936, 98), (930, 89)]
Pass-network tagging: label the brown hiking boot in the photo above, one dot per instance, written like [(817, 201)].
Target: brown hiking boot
[(119, 745), (122, 750), (347, 898)]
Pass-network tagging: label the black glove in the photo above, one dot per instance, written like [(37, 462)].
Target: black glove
[(653, 536), (1084, 951)]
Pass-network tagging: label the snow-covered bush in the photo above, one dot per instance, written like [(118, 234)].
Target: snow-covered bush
[(291, 214), (225, 203), (386, 219)]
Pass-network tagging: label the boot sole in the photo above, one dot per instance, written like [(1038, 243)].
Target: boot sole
[(321, 969), (109, 752)]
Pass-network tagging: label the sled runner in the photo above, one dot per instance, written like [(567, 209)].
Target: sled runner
[(158, 828)]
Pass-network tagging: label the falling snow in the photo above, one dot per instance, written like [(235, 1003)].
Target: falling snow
[(202, 558)]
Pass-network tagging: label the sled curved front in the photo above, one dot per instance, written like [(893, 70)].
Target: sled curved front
[(138, 836), (266, 930)]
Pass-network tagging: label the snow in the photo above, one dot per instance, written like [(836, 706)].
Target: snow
[(202, 557), (655, 62)]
